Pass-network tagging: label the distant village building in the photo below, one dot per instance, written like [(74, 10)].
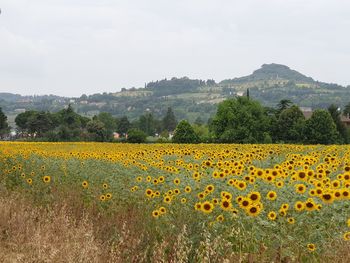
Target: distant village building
[(116, 135), (98, 104), (25, 100), (345, 120), (307, 112)]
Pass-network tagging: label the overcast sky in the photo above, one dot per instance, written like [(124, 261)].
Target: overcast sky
[(71, 47)]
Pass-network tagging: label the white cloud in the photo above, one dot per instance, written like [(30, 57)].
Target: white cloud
[(70, 47)]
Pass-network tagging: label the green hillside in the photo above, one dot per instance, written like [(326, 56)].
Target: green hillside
[(192, 98), (270, 72)]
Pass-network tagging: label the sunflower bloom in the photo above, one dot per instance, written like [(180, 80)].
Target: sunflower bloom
[(207, 207), (46, 179), (311, 247)]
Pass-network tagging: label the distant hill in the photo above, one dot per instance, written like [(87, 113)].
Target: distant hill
[(271, 72), (9, 97), (192, 98)]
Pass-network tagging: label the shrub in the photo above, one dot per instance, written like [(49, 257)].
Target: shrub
[(136, 136)]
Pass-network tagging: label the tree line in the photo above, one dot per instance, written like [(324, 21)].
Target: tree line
[(237, 120), (67, 125), (242, 120)]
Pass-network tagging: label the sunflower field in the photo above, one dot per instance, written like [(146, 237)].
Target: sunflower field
[(213, 202)]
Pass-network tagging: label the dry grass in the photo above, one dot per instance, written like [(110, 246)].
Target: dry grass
[(32, 234), (66, 231)]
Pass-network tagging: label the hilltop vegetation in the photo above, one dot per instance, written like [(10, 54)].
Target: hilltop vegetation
[(271, 71)]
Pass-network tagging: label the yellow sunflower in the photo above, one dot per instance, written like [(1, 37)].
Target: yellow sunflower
[(155, 213), (299, 206), (272, 215), (225, 205), (46, 179), (300, 188), (346, 236), (253, 210), (271, 195), (85, 184), (207, 207), (311, 247)]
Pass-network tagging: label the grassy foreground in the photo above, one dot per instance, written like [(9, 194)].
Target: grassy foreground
[(90, 202)]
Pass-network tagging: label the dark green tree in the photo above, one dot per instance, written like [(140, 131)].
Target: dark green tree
[(136, 136), (321, 129), (211, 82), (4, 127), (240, 120), (184, 133), (346, 111), (123, 125), (84, 121), (97, 131), (21, 120), (147, 124), (335, 112), (69, 118), (270, 111), (64, 133), (71, 124), (109, 123), (169, 120), (40, 123), (291, 125), (83, 97), (282, 105), (199, 121), (202, 132)]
